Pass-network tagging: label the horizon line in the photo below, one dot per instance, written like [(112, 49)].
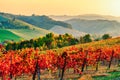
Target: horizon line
[(58, 14)]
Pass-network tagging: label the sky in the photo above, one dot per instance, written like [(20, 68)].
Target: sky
[(61, 7)]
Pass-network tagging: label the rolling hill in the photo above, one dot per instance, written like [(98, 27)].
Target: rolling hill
[(96, 26), (20, 28), (8, 35), (11, 23), (28, 33), (43, 21), (85, 16), (62, 30), (34, 26)]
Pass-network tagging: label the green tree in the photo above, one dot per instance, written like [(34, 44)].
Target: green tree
[(48, 39), (87, 38), (106, 36), (73, 41), (14, 46), (9, 46), (81, 40), (40, 42)]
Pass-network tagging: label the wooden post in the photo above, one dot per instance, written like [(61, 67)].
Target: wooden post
[(64, 55), (34, 74), (10, 67), (118, 61), (59, 70), (98, 60), (111, 59), (59, 73), (84, 61), (37, 71)]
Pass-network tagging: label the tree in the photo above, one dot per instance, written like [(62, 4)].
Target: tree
[(87, 38), (48, 39), (33, 14), (73, 41), (106, 36), (81, 40), (40, 42), (9, 46)]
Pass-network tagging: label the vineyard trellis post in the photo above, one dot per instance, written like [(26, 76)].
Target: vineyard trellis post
[(11, 67), (37, 70), (64, 56), (98, 60), (111, 58), (84, 61)]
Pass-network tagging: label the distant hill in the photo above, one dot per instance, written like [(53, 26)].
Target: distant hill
[(62, 30), (96, 26), (11, 23), (20, 28), (86, 17), (43, 21), (34, 26)]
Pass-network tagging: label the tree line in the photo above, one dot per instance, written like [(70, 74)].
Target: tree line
[(50, 41)]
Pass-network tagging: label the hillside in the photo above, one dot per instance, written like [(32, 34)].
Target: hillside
[(42, 21), (11, 23), (20, 28), (96, 44), (27, 33), (85, 16), (96, 26), (7, 35), (62, 30)]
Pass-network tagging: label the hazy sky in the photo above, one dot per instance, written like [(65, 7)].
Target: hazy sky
[(61, 7)]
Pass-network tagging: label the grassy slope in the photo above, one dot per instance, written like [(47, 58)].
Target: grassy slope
[(31, 32), (113, 76), (96, 44), (27, 33), (7, 35), (108, 42)]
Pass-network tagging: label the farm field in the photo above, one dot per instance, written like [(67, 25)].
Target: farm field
[(60, 40), (7, 35), (65, 63)]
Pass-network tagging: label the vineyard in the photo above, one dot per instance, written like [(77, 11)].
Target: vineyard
[(69, 63)]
